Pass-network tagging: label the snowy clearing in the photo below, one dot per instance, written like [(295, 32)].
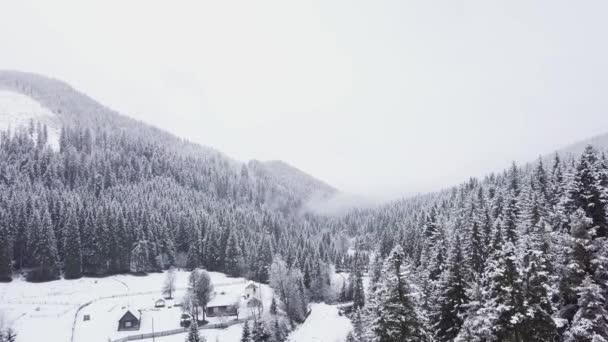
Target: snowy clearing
[(323, 325), (51, 307), (16, 110)]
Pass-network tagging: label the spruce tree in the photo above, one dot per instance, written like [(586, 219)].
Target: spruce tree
[(246, 334), (234, 261), (273, 306), (139, 257), (73, 250), (452, 297), (6, 250), (44, 249), (588, 193), (260, 333), (358, 289), (397, 316), (193, 334), (590, 323)]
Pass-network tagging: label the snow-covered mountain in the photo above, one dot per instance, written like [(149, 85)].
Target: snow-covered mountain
[(26, 96), (19, 111)]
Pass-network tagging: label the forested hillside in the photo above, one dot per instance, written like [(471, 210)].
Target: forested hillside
[(121, 196), (517, 256)]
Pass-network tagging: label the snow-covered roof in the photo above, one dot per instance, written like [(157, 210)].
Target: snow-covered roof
[(223, 300), (127, 315), (251, 284)]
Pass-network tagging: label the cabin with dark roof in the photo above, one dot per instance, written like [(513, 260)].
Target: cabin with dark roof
[(128, 321)]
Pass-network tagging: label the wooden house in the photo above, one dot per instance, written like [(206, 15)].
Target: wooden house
[(128, 321)]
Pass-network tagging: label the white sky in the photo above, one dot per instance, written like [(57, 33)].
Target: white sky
[(379, 97)]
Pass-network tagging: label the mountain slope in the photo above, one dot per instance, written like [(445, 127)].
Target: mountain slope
[(119, 195), (18, 110), (72, 108)]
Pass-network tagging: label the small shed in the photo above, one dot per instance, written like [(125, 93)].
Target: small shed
[(128, 321), (159, 303), (251, 290), (254, 303)]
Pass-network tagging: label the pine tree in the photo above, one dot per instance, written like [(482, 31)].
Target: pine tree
[(503, 294), (358, 333), (273, 306), (260, 333), (538, 323), (246, 335), (588, 193), (358, 289), (234, 262), (476, 251), (193, 334), (590, 322), (139, 257), (278, 331), (452, 297), (6, 250), (264, 260), (577, 263), (397, 316), (44, 249), (73, 250)]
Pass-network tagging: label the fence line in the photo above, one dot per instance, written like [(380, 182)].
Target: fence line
[(176, 331), (82, 306)]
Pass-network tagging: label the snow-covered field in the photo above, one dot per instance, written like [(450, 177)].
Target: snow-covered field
[(323, 325), (48, 310), (230, 334), (16, 110)]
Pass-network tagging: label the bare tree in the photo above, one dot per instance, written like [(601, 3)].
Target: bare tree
[(190, 305), (200, 289), (203, 290), (169, 285)]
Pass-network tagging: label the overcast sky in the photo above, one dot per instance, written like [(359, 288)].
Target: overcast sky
[(379, 97)]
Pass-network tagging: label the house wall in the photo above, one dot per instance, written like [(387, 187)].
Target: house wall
[(221, 311)]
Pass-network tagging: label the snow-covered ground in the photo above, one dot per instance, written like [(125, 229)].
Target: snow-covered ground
[(323, 325), (16, 110), (47, 310), (230, 334)]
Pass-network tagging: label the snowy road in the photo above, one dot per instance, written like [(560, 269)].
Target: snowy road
[(323, 325)]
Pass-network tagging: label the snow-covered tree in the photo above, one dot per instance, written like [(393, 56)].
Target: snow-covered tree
[(451, 309), (193, 333), (590, 323), (398, 317), (72, 249)]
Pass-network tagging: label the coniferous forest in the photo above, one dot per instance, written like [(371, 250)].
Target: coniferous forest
[(519, 255)]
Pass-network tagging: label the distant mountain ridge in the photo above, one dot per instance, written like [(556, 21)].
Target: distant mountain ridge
[(599, 141)]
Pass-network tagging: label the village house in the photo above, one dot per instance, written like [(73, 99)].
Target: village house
[(222, 305), (128, 321), (159, 303)]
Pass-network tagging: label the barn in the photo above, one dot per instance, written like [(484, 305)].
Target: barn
[(128, 321)]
